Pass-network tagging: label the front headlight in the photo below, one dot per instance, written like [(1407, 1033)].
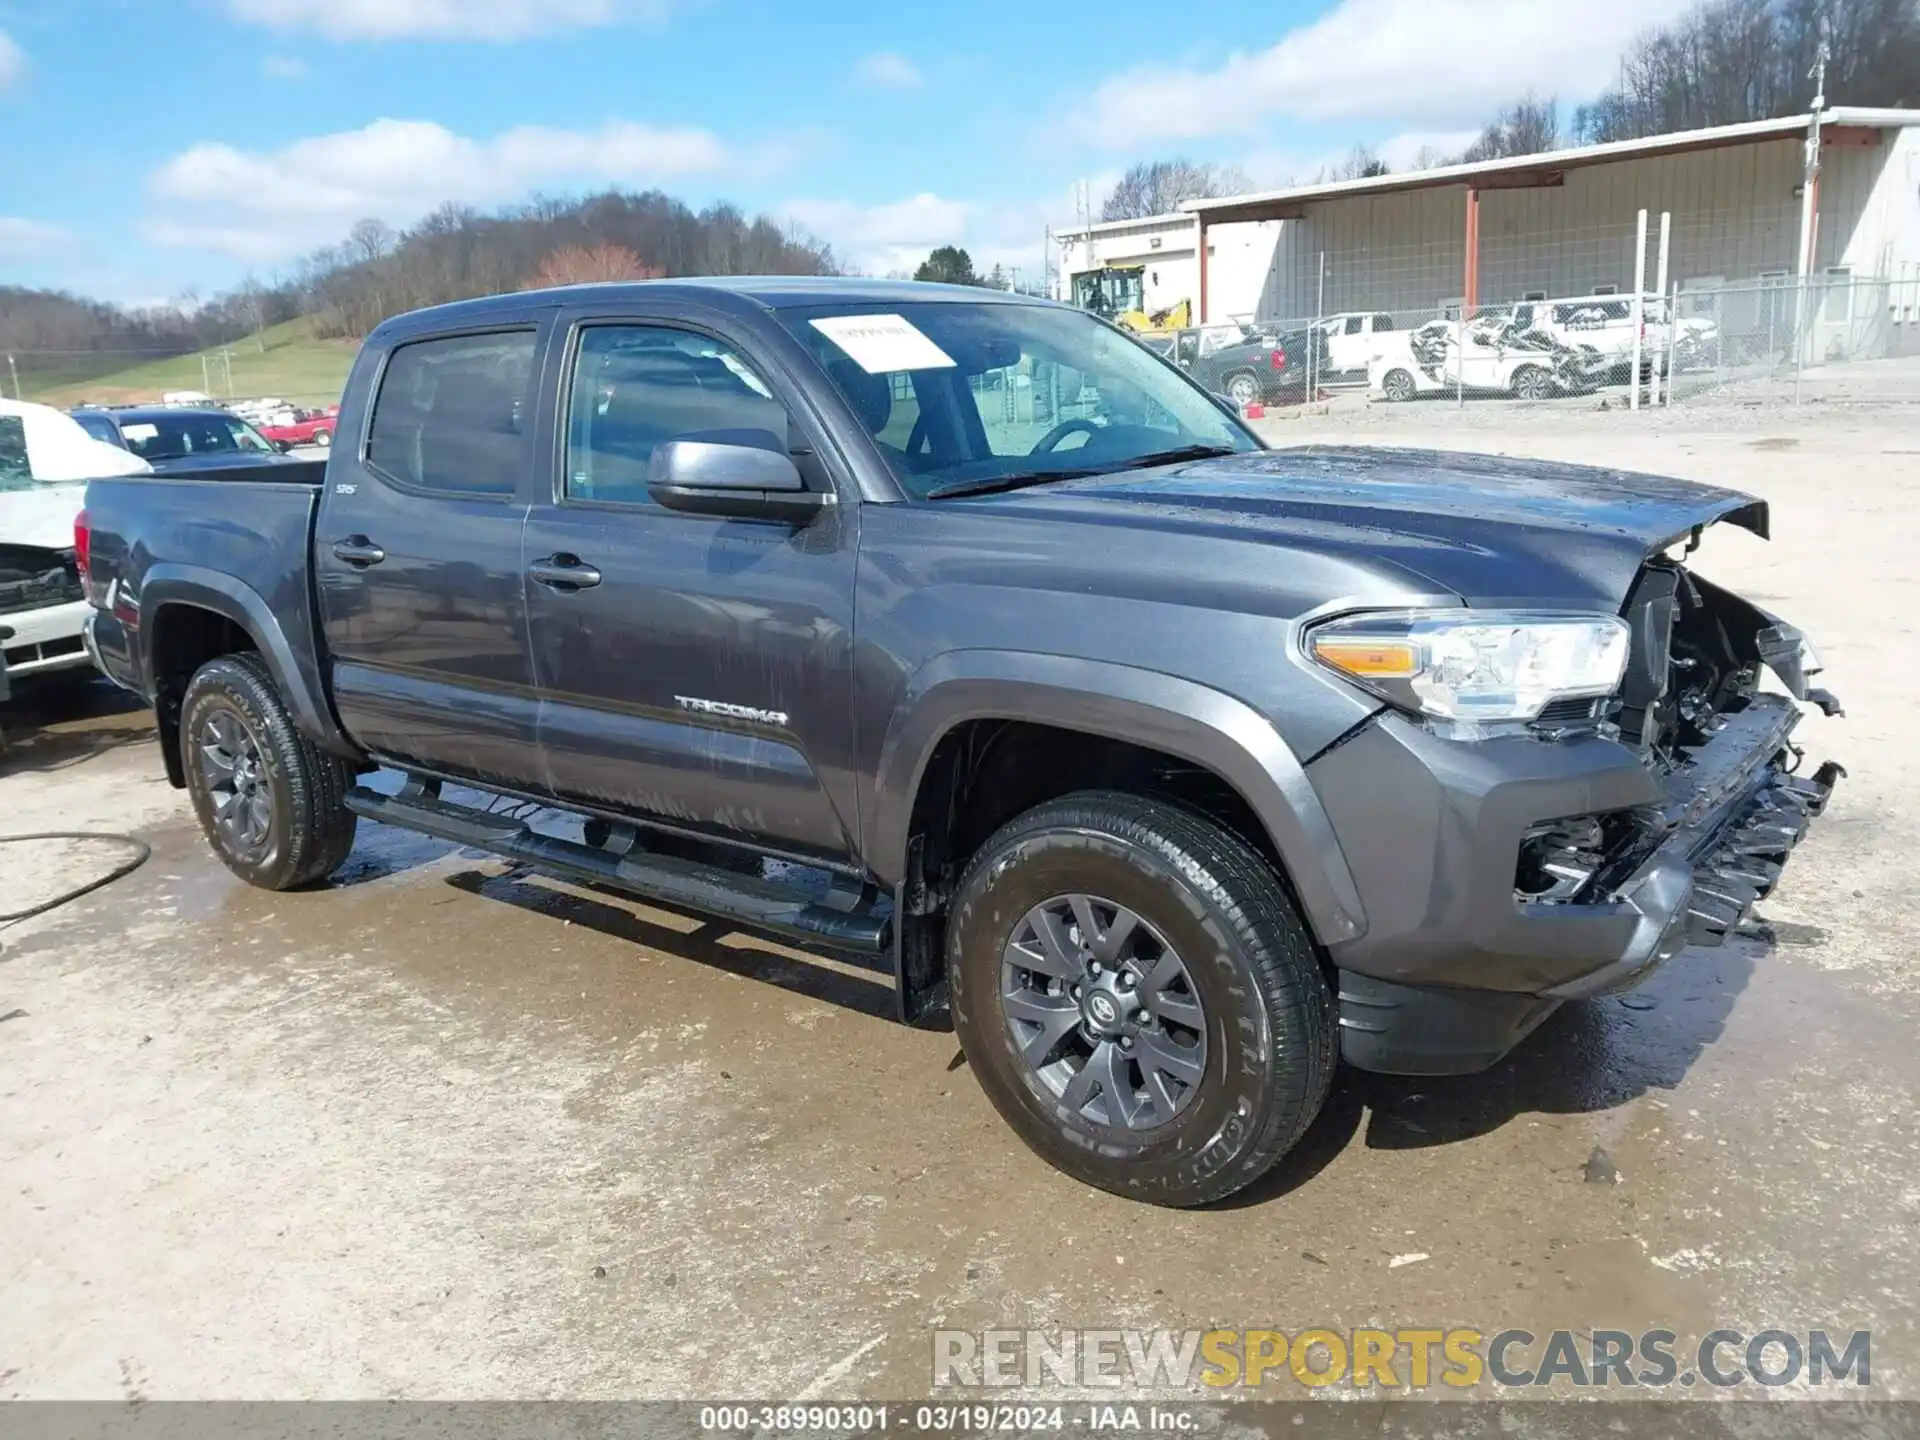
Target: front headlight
[(1475, 665)]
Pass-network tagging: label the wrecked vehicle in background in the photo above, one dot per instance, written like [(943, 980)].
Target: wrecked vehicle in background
[(1172, 767), (44, 457), (1498, 357)]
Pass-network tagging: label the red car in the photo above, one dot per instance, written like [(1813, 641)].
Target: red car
[(314, 429)]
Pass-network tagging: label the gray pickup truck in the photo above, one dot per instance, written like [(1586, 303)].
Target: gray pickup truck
[(958, 629)]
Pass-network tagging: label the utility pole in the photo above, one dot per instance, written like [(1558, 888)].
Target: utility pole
[(1810, 203), (14, 371)]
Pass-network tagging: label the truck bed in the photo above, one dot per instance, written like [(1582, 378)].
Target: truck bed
[(249, 531)]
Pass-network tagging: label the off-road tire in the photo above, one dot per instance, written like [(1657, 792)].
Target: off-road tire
[(311, 830), (1269, 1014)]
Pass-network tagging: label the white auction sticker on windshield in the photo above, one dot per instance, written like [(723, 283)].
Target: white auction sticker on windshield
[(880, 343), (139, 432)]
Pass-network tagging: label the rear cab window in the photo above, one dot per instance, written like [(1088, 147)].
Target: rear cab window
[(452, 413)]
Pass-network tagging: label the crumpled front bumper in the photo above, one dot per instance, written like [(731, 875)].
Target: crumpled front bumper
[(1732, 816), (1454, 967)]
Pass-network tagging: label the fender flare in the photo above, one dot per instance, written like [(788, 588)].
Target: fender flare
[(296, 675), (1122, 702)]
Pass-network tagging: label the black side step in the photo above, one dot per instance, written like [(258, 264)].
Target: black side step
[(848, 916)]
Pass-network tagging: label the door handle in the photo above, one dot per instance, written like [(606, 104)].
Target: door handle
[(358, 551), (564, 572)]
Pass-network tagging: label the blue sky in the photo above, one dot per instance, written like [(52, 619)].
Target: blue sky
[(152, 146)]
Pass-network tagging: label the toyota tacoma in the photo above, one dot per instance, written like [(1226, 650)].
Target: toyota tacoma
[(957, 629)]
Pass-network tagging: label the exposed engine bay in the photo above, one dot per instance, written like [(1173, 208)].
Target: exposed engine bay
[(1691, 702)]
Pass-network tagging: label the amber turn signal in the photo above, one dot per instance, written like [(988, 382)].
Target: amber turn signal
[(1368, 659)]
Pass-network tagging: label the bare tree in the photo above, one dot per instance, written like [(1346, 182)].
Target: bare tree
[(457, 252), (370, 239), (1361, 164), (1156, 187), (1529, 126), (1728, 61), (583, 264)]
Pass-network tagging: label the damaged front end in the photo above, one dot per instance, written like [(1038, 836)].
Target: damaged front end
[(1732, 806)]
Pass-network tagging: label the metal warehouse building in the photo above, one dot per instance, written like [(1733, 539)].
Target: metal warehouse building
[(1745, 219)]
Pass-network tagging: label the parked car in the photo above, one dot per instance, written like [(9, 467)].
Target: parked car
[(1173, 767), (45, 458), (1354, 339), (1263, 369), (1490, 355), (312, 427), (1601, 327), (180, 439)]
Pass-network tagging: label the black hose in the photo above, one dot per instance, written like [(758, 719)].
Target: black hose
[(142, 853)]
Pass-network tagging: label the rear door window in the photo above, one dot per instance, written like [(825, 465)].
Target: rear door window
[(452, 413)]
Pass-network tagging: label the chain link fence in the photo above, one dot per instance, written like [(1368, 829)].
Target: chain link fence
[(1559, 315)]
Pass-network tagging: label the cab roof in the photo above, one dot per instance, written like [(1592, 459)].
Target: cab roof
[(721, 292)]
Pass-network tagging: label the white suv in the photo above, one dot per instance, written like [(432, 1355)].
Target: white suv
[(1353, 340)]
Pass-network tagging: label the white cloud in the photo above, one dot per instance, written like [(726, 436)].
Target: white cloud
[(263, 206), (283, 67), (895, 236), (13, 60), (1280, 169), (442, 19), (883, 238), (21, 239), (891, 71), (1405, 151), (1432, 62)]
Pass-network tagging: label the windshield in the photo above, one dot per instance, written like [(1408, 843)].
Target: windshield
[(15, 472), (100, 427), (959, 395), (172, 437)]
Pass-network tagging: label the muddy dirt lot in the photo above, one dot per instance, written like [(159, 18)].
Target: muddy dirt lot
[(444, 1129)]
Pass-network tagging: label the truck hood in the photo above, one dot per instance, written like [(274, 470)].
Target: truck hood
[(42, 516), (1490, 529)]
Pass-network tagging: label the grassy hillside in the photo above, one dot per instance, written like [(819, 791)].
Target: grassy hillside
[(285, 360)]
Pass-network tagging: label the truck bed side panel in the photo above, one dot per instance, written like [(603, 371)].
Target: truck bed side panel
[(238, 548)]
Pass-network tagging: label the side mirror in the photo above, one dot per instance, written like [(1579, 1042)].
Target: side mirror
[(1225, 402), (285, 447), (744, 474)]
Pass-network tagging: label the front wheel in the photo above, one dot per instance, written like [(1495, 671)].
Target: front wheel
[(268, 799), (1532, 383), (1139, 998)]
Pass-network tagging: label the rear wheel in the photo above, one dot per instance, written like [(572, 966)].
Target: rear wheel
[(1397, 386), (268, 799), (1243, 389), (1139, 997), (323, 438)]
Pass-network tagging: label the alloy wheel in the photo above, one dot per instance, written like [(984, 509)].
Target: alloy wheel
[(235, 778), (1104, 1012)]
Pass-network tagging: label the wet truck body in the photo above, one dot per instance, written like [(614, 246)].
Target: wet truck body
[(781, 679)]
